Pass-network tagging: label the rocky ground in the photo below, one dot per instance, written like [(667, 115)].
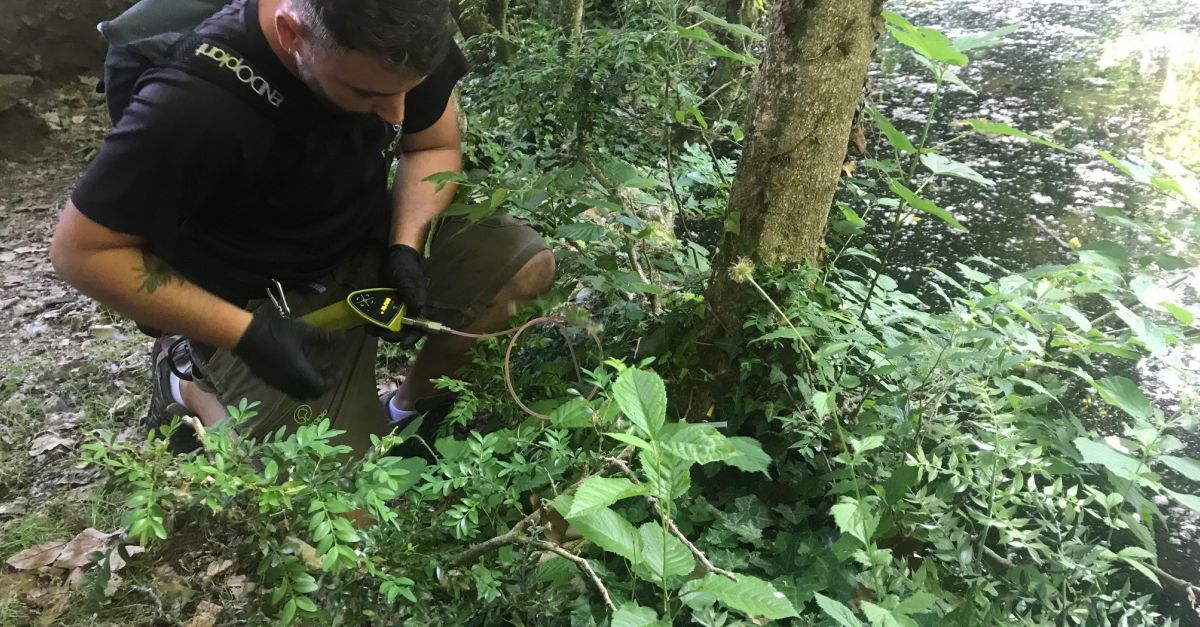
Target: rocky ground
[(67, 369)]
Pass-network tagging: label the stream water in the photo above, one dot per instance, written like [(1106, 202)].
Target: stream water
[(1116, 75)]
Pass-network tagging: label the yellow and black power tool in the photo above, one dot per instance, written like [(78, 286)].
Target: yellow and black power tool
[(380, 306)]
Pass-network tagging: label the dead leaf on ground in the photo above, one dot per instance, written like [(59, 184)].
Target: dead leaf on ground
[(51, 602), (75, 553), (47, 442), (238, 586), (205, 616), (36, 557), (216, 568)]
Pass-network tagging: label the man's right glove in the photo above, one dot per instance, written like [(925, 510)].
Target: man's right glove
[(404, 269), (279, 351)]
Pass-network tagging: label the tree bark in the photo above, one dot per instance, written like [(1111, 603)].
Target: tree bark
[(808, 89)]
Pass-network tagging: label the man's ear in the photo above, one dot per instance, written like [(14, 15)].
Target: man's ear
[(291, 32)]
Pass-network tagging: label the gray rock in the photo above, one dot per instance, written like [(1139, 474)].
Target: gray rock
[(13, 87)]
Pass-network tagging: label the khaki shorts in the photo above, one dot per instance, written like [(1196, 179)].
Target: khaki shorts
[(468, 265)]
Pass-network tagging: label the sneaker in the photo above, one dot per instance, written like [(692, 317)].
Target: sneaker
[(163, 408), (433, 412)]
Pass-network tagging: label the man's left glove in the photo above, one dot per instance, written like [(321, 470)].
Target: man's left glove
[(404, 269)]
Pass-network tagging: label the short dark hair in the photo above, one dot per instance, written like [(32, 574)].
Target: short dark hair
[(411, 34)]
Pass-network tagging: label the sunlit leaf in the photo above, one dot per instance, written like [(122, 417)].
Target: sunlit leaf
[(898, 139), (855, 518), (1116, 462), (1185, 466), (608, 530), (924, 205), (701, 444), (1189, 500), (663, 555), (738, 29), (642, 398), (925, 41), (634, 615), (944, 166), (749, 595), (1000, 128), (984, 40), (1125, 395), (596, 493)]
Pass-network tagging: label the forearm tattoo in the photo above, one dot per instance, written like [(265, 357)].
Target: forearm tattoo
[(155, 273)]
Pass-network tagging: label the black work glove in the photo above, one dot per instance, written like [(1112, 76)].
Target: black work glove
[(404, 269), (279, 351)]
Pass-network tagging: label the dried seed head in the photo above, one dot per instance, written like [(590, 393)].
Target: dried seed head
[(742, 270)]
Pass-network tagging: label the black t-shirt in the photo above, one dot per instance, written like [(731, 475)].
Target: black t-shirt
[(232, 198)]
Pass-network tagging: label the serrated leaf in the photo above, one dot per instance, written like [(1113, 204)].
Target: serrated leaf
[(596, 493), (642, 397), (984, 40), (1116, 462), (663, 555), (924, 205), (749, 595), (823, 403), (581, 231), (896, 137), (786, 334), (610, 531), (1000, 128), (1141, 568), (750, 456), (1138, 552), (634, 615), (1190, 500), (918, 603), (1185, 466), (1125, 395), (837, 611), (700, 444), (944, 166), (632, 440), (573, 414), (855, 518), (668, 477)]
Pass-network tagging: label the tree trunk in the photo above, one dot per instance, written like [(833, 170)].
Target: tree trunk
[(570, 18), (808, 89)]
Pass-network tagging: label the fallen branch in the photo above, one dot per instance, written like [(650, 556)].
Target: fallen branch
[(581, 563), (699, 555)]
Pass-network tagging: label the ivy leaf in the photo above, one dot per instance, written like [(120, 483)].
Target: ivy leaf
[(634, 615), (837, 611), (1125, 395), (596, 493), (1118, 463), (1185, 466), (944, 166), (642, 397), (749, 595), (749, 457), (610, 531), (896, 137), (663, 555), (700, 444), (925, 205), (1000, 128)]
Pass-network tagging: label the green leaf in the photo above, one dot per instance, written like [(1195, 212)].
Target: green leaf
[(1141, 568), (1118, 463), (668, 477), (855, 518), (787, 334), (701, 444), (306, 604), (1105, 254), (925, 41), (1184, 316), (823, 403), (634, 615), (1185, 466), (749, 595), (596, 493), (629, 439), (1116, 216), (663, 555), (288, 613), (972, 274), (642, 397), (924, 205), (984, 40), (738, 29), (918, 603), (837, 611), (750, 456), (896, 137), (573, 414), (1189, 500), (1138, 552), (882, 617), (1125, 395), (711, 46), (1000, 128), (581, 231), (898, 485), (943, 166), (610, 531)]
